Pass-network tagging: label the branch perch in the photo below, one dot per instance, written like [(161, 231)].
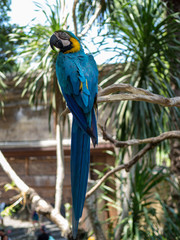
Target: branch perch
[(151, 143), (123, 88), (125, 166), (39, 204), (128, 92), (131, 142)]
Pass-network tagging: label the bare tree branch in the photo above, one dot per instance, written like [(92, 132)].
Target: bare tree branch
[(91, 20), (156, 99), (151, 143), (137, 94), (123, 88), (129, 92), (66, 111), (74, 15), (91, 207), (125, 166), (60, 166), (12, 175), (39, 204), (131, 142)]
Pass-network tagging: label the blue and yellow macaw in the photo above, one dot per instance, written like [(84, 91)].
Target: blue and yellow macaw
[(77, 75)]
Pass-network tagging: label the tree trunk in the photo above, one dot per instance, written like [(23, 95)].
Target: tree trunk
[(126, 191), (37, 203), (90, 204), (59, 151), (60, 165), (174, 5)]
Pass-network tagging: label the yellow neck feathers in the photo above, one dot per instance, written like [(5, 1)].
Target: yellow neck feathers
[(75, 46)]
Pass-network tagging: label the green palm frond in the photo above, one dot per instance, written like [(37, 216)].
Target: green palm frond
[(143, 218), (149, 48), (36, 59), (86, 9)]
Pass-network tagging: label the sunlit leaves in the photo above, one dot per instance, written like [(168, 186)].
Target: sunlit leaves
[(36, 59)]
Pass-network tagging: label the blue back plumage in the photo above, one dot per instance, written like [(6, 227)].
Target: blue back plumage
[(74, 69), (77, 75)]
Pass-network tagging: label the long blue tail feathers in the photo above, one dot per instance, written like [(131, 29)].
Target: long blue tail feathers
[(75, 224), (80, 158)]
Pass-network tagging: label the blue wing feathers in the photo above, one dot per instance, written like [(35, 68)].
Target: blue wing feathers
[(94, 129), (82, 119)]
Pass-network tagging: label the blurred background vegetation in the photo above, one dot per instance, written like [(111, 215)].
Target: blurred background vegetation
[(144, 37)]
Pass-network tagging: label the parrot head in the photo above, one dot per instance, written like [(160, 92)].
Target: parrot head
[(65, 41)]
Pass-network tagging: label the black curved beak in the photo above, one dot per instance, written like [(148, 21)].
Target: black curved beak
[(55, 42)]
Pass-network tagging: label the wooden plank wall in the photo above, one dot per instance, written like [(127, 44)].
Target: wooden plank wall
[(37, 168)]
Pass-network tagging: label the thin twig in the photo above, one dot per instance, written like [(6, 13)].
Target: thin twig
[(125, 166), (66, 111)]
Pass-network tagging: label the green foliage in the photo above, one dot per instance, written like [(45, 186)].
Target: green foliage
[(149, 216), (147, 50), (143, 220), (4, 8), (172, 225), (147, 47), (17, 205), (37, 60), (13, 208), (86, 10), (37, 65), (68, 208), (6, 48)]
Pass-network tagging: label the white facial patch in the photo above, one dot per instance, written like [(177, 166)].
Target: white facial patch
[(65, 42)]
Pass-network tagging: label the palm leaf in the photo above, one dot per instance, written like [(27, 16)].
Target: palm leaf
[(149, 42)]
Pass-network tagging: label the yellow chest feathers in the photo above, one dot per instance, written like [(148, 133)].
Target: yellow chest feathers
[(75, 46)]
